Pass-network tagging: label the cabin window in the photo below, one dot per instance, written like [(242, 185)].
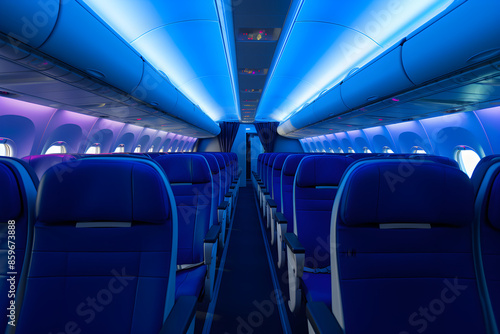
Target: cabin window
[(162, 149), (366, 150), (57, 148), (137, 149), (94, 149), (169, 150), (151, 149), (350, 150), (341, 150), (467, 159), (418, 150), (387, 149), (120, 149), (6, 150)]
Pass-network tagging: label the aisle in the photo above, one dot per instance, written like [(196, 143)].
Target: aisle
[(246, 301)]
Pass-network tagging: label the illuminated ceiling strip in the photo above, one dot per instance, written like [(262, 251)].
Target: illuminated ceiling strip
[(229, 49)]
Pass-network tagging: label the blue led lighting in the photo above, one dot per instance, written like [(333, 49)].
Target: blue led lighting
[(326, 40)]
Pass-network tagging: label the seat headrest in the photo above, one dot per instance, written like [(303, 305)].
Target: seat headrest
[(279, 161), (323, 170), (212, 162), (402, 191), (493, 213), (185, 168), (104, 190), (10, 196), (291, 163), (40, 163), (220, 160)]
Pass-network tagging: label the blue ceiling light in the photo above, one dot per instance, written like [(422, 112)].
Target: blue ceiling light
[(191, 42), (322, 42)]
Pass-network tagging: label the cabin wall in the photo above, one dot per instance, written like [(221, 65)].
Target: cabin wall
[(31, 129), (439, 135), (284, 144)]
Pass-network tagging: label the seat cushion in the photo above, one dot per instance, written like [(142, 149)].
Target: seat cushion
[(190, 282), (318, 288)]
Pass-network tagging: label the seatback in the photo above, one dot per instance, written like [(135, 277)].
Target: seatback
[(480, 170), (191, 181), (229, 172), (435, 158), (315, 186), (265, 169), (402, 251), (287, 178), (259, 163), (276, 187), (216, 176), (17, 213), (105, 249), (269, 172), (236, 166), (40, 163), (487, 234)]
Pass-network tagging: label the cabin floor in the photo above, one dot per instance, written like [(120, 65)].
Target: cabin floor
[(252, 288)]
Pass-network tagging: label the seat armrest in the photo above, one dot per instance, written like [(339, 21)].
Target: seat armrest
[(212, 234), (294, 244), (233, 186), (228, 194), (265, 192), (280, 218), (271, 203), (321, 319), (181, 316), (223, 205)]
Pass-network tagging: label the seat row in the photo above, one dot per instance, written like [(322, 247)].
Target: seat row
[(115, 243), (385, 243)]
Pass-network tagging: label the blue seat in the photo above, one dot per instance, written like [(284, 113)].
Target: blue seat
[(314, 190), (276, 193), (487, 235), (285, 219), (19, 185), (40, 163), (226, 196), (191, 181), (402, 253), (105, 251)]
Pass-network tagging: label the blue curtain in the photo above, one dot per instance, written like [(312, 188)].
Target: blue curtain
[(268, 132), (228, 131)]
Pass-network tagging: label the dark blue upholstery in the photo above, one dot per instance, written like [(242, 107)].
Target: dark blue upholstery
[(191, 181), (228, 170), (102, 279), (480, 170), (260, 158), (40, 163), (315, 188), (487, 231), (404, 279), (265, 169), (222, 175), (214, 169), (17, 203), (269, 172), (276, 187), (287, 179)]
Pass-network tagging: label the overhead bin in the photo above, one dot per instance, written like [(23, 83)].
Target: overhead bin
[(156, 90), (467, 35), (382, 77), (29, 21), (82, 41), (328, 105)]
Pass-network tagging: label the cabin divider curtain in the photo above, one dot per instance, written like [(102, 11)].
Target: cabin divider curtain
[(268, 132), (228, 131)]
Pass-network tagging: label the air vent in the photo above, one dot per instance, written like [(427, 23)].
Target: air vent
[(257, 35), (253, 71)]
